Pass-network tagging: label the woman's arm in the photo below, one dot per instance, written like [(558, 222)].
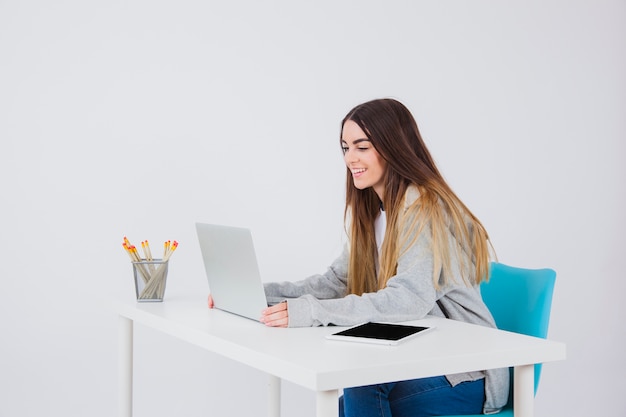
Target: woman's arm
[(409, 295), (331, 284)]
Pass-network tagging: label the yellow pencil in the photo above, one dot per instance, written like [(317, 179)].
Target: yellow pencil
[(170, 251), (148, 251), (134, 257), (128, 251), (135, 253), (166, 248)]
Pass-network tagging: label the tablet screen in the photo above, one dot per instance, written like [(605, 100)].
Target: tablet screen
[(381, 332)]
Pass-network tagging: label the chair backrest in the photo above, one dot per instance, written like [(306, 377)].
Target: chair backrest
[(520, 300)]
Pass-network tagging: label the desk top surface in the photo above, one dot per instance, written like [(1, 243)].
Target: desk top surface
[(303, 355)]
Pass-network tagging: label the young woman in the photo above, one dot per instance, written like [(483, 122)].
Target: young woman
[(414, 249)]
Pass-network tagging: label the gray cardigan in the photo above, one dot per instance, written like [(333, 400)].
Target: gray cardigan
[(320, 300)]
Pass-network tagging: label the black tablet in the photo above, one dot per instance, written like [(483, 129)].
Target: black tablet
[(379, 333)]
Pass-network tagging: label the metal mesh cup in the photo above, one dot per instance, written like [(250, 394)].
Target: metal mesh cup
[(150, 279)]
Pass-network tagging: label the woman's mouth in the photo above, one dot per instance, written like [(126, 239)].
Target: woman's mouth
[(357, 172)]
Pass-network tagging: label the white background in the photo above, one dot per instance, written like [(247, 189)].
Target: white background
[(139, 118)]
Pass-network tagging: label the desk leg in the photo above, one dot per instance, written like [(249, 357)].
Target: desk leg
[(273, 397), (327, 403), (125, 367), (524, 386)]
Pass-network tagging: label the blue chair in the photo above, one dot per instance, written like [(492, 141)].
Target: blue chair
[(520, 301)]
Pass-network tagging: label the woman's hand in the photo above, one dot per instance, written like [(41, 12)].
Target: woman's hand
[(276, 315)]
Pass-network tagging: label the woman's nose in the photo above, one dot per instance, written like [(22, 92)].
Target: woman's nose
[(350, 156)]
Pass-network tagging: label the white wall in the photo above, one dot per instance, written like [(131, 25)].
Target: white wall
[(139, 118)]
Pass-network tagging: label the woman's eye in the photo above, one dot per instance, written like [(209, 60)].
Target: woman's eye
[(345, 149)]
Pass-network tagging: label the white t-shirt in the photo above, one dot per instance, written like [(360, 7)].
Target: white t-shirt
[(380, 225)]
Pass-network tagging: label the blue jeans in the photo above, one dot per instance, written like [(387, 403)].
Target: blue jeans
[(415, 398)]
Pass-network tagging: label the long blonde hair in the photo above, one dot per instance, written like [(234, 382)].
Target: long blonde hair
[(393, 132)]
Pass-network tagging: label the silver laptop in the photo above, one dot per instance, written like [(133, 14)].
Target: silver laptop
[(232, 270)]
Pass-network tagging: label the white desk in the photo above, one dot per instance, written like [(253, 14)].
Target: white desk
[(303, 356)]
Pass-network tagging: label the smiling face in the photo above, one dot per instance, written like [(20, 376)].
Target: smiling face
[(363, 160)]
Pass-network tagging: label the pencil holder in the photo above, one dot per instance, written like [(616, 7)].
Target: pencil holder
[(150, 277)]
